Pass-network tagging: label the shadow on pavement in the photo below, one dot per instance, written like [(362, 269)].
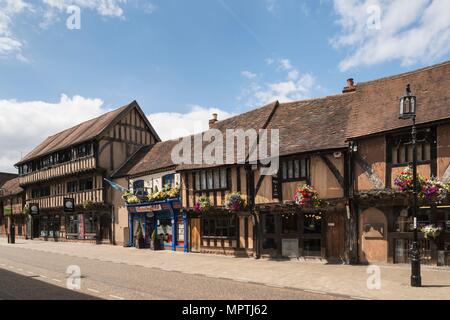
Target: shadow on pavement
[(14, 286)]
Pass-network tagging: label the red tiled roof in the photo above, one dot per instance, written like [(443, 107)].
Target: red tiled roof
[(11, 187), (80, 133), (149, 159)]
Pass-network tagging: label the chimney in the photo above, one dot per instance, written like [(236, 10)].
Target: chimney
[(213, 120), (350, 86)]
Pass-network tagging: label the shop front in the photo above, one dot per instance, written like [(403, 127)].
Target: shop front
[(386, 231), (163, 219), (289, 231), (78, 225)]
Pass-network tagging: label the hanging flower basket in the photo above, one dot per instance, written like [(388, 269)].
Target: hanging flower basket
[(434, 190), (125, 195), (307, 196), (405, 182), (431, 231), (234, 202), (132, 199), (88, 205), (166, 193), (202, 205), (26, 210)]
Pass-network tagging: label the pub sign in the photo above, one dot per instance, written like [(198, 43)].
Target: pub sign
[(69, 204)]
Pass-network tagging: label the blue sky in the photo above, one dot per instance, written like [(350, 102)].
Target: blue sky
[(180, 59)]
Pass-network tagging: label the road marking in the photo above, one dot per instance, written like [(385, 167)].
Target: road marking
[(315, 291), (20, 269), (359, 298), (93, 290), (29, 272), (45, 277), (274, 285), (3, 265), (116, 297), (11, 267), (57, 280)]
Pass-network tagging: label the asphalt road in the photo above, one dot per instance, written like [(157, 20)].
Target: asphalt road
[(29, 274)]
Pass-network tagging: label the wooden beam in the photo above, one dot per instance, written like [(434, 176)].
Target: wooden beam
[(334, 170), (371, 174)]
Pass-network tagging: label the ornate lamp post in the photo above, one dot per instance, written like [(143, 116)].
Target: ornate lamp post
[(408, 111)]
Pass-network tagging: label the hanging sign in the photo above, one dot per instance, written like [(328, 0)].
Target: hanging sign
[(34, 209), (69, 204)]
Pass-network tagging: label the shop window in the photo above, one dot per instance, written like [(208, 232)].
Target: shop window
[(269, 224), (401, 149), (165, 231), (90, 223), (289, 223), (312, 223), (219, 227), (49, 226), (86, 184), (180, 232), (72, 226), (447, 221), (208, 180), (72, 186), (294, 169)]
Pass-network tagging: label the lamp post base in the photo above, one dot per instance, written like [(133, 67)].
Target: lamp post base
[(416, 279)]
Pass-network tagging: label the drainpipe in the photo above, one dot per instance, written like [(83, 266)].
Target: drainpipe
[(251, 207)]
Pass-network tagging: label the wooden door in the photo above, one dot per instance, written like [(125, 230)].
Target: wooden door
[(195, 235), (335, 236)]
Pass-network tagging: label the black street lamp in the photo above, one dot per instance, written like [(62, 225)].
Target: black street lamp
[(408, 111)]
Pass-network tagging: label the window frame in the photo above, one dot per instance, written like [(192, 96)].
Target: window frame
[(231, 227), (224, 183), (401, 141), (304, 164)]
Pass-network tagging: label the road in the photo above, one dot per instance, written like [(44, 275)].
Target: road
[(29, 274)]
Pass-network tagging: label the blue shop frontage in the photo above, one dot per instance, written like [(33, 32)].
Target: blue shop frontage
[(162, 219)]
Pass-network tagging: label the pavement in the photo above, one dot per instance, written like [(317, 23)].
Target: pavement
[(309, 280)]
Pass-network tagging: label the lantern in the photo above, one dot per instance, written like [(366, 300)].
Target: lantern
[(408, 105)]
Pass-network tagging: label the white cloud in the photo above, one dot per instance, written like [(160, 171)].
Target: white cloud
[(294, 86), (49, 12), (9, 44), (248, 74), (412, 31), (172, 125), (24, 124)]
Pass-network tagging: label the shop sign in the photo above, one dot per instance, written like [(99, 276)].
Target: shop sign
[(69, 204), (145, 209), (34, 209), (7, 211), (290, 248)]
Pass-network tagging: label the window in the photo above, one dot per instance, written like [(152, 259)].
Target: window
[(72, 224), (289, 223), (401, 148), (216, 179), (294, 169), (72, 186), (86, 184), (40, 192), (168, 179), (90, 223), (222, 227)]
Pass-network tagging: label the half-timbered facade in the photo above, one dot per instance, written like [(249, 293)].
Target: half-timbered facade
[(272, 225), (12, 201), (150, 175), (63, 177), (381, 149)]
